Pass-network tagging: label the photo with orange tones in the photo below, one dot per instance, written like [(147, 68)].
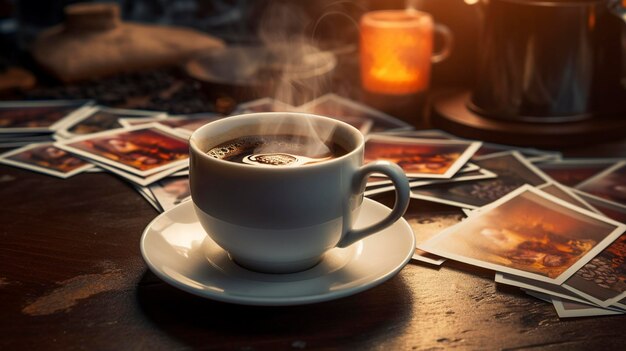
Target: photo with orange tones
[(36, 116), (141, 150), (528, 233), (45, 158), (610, 184), (602, 280), (421, 158), (100, 119)]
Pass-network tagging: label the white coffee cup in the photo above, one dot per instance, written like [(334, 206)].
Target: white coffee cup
[(279, 219)]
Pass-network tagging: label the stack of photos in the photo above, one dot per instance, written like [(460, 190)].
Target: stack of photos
[(424, 161), (530, 154), (25, 122), (168, 192), (545, 244), (571, 172), (46, 158), (100, 118), (149, 149), (553, 227), (142, 154), (609, 184), (184, 124)]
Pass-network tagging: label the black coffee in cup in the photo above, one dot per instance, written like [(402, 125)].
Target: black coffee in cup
[(276, 150)]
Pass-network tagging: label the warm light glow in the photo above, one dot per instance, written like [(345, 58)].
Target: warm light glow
[(396, 48)]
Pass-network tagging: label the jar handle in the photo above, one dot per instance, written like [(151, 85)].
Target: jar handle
[(448, 42)]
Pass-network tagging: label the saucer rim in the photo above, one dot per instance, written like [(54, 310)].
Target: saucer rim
[(285, 300)]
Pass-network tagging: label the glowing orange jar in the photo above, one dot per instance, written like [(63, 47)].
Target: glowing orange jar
[(396, 49)]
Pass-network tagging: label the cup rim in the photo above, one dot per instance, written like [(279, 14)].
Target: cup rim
[(360, 141), (388, 18)]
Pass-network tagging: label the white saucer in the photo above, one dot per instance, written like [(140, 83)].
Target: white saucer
[(177, 249)]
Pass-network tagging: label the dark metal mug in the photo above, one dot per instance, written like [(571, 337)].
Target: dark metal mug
[(547, 61)]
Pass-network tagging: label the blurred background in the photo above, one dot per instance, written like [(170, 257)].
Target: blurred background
[(330, 25)]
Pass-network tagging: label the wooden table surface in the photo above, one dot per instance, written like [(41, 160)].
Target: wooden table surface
[(72, 277)]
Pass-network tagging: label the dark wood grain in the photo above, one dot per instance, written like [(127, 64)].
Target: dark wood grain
[(72, 277)]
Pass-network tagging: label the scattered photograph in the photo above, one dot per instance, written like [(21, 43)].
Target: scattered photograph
[(569, 309), (528, 233), (19, 140), (143, 181), (141, 150), (184, 172), (37, 116), (513, 171), (466, 172), (602, 280), (171, 191), (421, 158), (100, 118), (571, 172), (332, 105), (532, 155), (132, 122), (469, 167), (613, 211), (566, 194), (382, 184), (425, 226), (609, 184), (46, 158), (537, 286), (186, 124), (148, 196)]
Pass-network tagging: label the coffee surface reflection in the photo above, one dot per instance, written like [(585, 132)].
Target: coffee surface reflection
[(276, 150)]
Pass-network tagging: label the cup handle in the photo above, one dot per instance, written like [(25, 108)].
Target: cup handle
[(401, 183), (448, 42)]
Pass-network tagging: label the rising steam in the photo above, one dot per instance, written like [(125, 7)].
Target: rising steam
[(304, 70)]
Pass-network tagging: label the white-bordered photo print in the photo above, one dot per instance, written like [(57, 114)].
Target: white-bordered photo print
[(566, 194), (602, 280), (101, 118), (609, 184), (171, 191), (185, 124), (513, 171), (569, 309), (381, 184), (142, 150), (46, 158), (528, 233), (421, 158), (537, 286), (139, 180), (44, 116), (573, 171)]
